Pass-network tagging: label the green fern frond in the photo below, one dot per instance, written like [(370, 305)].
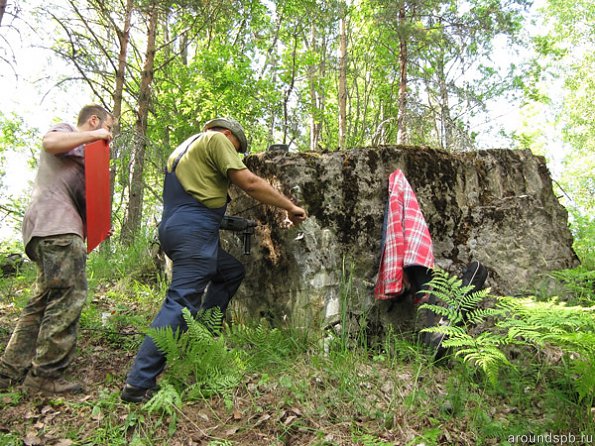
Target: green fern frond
[(488, 358), (449, 313), (450, 290), (198, 360), (585, 382), (165, 401), (468, 301), (451, 331), (580, 342), (460, 342), (479, 315), (166, 341), (445, 287), (264, 346), (508, 303), (209, 319), (478, 350)]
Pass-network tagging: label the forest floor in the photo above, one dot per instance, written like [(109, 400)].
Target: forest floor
[(371, 397)]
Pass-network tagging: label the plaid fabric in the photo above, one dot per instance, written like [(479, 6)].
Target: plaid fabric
[(407, 241)]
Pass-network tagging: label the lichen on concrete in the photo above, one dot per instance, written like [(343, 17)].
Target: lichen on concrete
[(496, 206)]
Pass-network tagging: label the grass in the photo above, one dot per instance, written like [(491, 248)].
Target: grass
[(299, 388)]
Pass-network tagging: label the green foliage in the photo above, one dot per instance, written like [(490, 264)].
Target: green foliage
[(114, 260), (166, 402), (9, 439), (570, 329), (580, 282), (112, 432), (17, 141), (369, 440), (462, 312), (360, 394), (10, 399), (266, 348), (513, 321), (198, 361)]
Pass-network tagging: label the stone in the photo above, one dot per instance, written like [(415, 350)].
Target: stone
[(496, 206)]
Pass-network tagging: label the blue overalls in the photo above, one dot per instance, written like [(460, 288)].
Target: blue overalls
[(189, 235)]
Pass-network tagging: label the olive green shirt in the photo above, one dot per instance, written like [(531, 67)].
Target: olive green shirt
[(202, 170)]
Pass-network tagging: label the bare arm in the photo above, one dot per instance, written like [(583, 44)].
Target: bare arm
[(62, 142), (262, 191)]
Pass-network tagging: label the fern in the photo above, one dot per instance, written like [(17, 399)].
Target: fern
[(463, 311), (580, 282), (265, 347), (571, 329), (196, 360), (461, 304), (166, 402)]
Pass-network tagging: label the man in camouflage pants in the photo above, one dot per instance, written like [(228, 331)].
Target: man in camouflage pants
[(43, 342)]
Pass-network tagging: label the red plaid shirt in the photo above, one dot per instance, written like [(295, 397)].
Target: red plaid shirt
[(408, 240)]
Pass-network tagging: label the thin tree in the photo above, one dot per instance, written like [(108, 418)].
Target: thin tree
[(342, 80), (403, 61), (132, 222), (3, 4)]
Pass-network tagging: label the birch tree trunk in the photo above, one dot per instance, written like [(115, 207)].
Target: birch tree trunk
[(342, 81), (401, 118), (314, 108), (446, 138)]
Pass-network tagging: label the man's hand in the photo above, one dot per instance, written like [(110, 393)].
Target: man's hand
[(296, 215), (102, 134)]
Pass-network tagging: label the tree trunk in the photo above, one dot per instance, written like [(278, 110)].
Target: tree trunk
[(446, 139), (342, 81), (314, 107), (133, 219), (401, 119), (3, 4), (123, 40), (289, 91)]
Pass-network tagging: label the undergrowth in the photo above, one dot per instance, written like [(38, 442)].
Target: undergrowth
[(515, 367)]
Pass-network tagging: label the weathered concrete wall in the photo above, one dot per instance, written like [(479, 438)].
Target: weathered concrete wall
[(496, 206)]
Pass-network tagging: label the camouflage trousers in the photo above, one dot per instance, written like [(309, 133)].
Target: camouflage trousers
[(44, 338)]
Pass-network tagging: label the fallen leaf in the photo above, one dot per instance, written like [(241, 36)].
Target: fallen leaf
[(47, 409), (296, 411), (289, 420), (262, 419), (32, 440)]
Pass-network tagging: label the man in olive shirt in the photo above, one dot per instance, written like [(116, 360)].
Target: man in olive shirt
[(199, 173), (43, 342)]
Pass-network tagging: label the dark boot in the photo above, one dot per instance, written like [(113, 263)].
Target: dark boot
[(133, 394)]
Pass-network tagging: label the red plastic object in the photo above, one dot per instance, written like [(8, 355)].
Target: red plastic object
[(97, 191)]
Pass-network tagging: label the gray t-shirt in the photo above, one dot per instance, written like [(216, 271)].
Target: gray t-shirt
[(58, 200)]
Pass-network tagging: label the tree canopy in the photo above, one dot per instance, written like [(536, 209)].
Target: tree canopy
[(315, 75)]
